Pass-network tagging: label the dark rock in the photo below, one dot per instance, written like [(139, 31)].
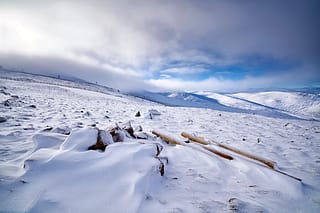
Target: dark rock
[(138, 114), (141, 135), (131, 132), (2, 119), (87, 114), (117, 134), (48, 128), (32, 106), (161, 168), (138, 129), (105, 137), (103, 140), (153, 113), (6, 103), (97, 146), (159, 149)]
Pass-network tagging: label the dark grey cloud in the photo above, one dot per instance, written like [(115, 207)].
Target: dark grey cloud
[(59, 66)]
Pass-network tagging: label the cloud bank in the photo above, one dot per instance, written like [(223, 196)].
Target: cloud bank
[(176, 45)]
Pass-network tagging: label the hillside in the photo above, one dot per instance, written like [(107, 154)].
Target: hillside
[(49, 124)]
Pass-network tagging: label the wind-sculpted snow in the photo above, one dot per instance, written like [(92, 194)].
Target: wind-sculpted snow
[(45, 164)]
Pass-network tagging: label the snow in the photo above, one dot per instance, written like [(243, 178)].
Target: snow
[(271, 104), (45, 164), (301, 104)]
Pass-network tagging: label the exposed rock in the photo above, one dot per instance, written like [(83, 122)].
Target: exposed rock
[(32, 106), (153, 113), (129, 132), (6, 103), (161, 168), (141, 135), (233, 205), (117, 135), (87, 114), (138, 129), (138, 114), (47, 128), (2, 119), (236, 206), (97, 145), (105, 137), (159, 149)]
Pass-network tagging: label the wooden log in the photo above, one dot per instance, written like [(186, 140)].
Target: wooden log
[(174, 141), (194, 138), (166, 138), (221, 154), (269, 163)]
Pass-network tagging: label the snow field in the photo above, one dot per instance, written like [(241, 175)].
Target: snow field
[(63, 176)]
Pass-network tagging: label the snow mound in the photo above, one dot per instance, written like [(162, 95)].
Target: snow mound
[(117, 178)]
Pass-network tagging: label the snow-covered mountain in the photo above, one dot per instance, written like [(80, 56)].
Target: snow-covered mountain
[(296, 103), (50, 127), (288, 104)]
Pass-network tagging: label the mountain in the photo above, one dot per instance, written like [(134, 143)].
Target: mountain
[(272, 104)]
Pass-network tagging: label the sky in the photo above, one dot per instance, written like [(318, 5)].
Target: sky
[(166, 45)]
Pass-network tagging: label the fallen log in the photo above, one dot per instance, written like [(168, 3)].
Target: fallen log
[(166, 138), (174, 141), (269, 163)]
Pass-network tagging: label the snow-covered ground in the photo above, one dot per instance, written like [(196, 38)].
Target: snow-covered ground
[(45, 164), (290, 104), (297, 103)]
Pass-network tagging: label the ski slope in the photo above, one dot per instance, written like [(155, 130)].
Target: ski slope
[(45, 164)]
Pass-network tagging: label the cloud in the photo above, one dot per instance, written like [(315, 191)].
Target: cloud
[(60, 66), (145, 39), (284, 80)]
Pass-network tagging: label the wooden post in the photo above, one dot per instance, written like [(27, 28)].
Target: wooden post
[(269, 163), (174, 141)]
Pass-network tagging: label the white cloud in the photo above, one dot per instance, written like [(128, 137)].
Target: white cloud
[(228, 85)]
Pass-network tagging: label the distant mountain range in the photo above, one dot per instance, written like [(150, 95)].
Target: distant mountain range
[(290, 104)]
